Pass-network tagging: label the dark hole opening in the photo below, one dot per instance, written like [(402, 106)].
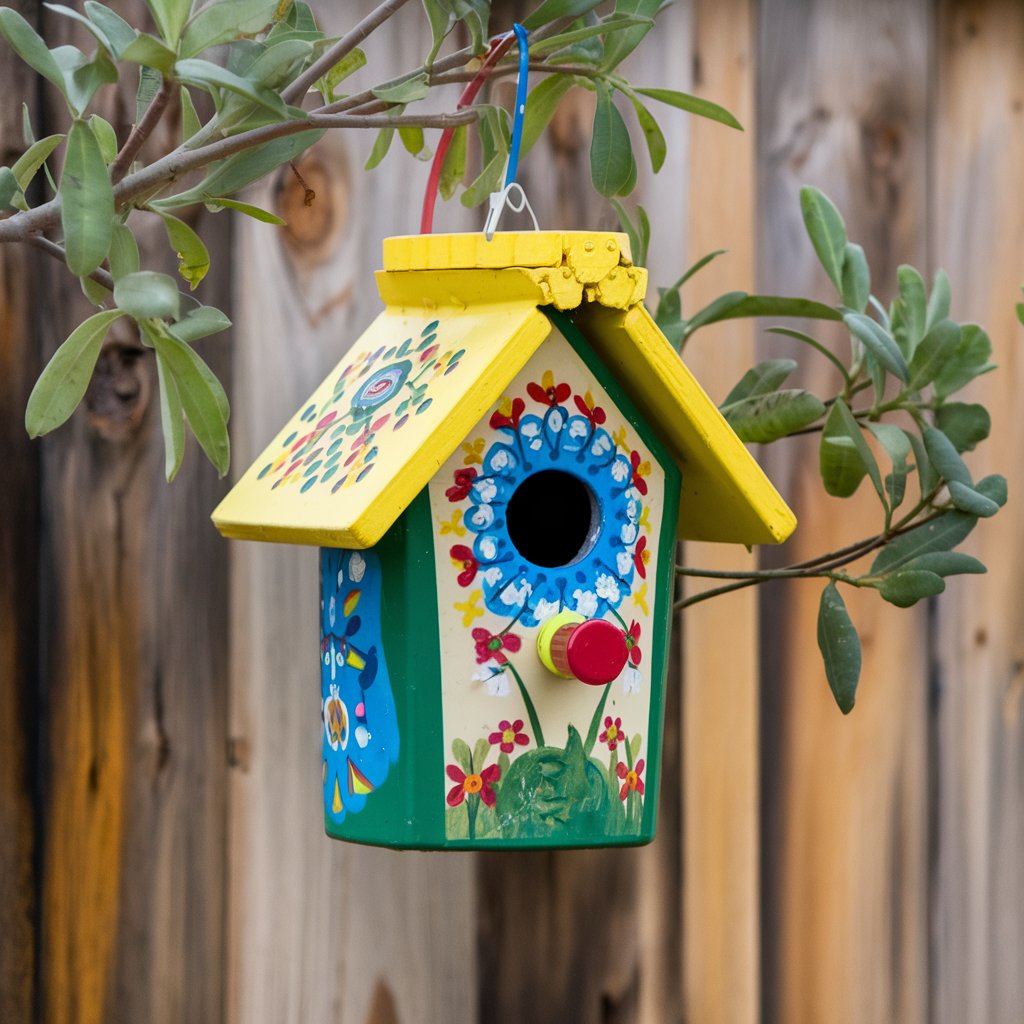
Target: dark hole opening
[(552, 518)]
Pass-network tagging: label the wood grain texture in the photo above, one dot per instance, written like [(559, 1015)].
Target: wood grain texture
[(320, 930), (721, 914), (844, 106), (134, 684), (978, 704), (19, 593)]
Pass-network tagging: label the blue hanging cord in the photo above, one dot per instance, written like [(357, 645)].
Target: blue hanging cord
[(517, 119)]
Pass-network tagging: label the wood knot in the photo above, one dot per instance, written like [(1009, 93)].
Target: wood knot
[(311, 195), (119, 391)]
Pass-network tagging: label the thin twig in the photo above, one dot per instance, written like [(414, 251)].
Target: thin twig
[(101, 277), (141, 131), (348, 42)]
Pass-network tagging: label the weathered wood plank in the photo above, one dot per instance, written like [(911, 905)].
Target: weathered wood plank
[(977, 907), (19, 589), (321, 930), (844, 107), (720, 705), (134, 669)]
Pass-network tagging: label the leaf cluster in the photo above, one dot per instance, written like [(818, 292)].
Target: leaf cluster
[(895, 422)]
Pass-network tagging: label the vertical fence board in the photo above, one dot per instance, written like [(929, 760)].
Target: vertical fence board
[(321, 930), (843, 105), (19, 591), (719, 641), (594, 936), (134, 698), (978, 763)]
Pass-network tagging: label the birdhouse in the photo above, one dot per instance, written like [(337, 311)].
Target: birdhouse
[(496, 474)]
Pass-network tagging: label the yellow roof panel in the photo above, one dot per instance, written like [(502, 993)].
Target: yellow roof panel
[(376, 430), (726, 495)]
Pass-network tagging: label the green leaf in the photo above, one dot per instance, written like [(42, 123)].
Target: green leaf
[(967, 499), (205, 75), (87, 76), (788, 332), (224, 20), (764, 418), (442, 20), (94, 291), (105, 136), (943, 533), (878, 342), (94, 30), (406, 90), (28, 45), (87, 202), (717, 309), (199, 323), (947, 563), (840, 648), (844, 456), (657, 148), (193, 255), (380, 149), (147, 293), (10, 193), (412, 139), (933, 354), (856, 278), (927, 476), (994, 487), (775, 305), (912, 308), (938, 301), (944, 457), (969, 360), (219, 202), (124, 252), (611, 152), (693, 105), (118, 32), (897, 447), (549, 10), (190, 122), (453, 169), (827, 232), (202, 398), (64, 381), (906, 588), (761, 379), (541, 104), (150, 81), (964, 424), (233, 174), (486, 183), (171, 419), (348, 65), (606, 27), (464, 759), (619, 45), (150, 52), (170, 16)]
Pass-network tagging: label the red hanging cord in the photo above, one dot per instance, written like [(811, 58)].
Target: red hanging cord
[(499, 47)]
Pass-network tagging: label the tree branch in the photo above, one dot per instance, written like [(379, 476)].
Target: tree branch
[(348, 42), (141, 131), (101, 277)]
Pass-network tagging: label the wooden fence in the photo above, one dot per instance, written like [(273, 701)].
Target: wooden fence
[(161, 849)]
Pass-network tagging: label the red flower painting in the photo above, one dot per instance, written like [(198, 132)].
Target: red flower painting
[(475, 784), (641, 556), (459, 490), (612, 732), (640, 470), (633, 642), (499, 418), (509, 736), (463, 556), (493, 645), (547, 392), (631, 781)]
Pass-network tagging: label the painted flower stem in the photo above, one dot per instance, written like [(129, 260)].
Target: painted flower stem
[(595, 721), (531, 711)]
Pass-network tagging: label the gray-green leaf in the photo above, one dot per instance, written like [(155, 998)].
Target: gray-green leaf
[(906, 588), (171, 419), (124, 252), (964, 424), (944, 457), (878, 342), (148, 293), (840, 648), (64, 381), (933, 353), (693, 105), (827, 232), (540, 107), (760, 379), (856, 278), (611, 152), (943, 533), (844, 456), (406, 90), (29, 46), (198, 323), (224, 20), (87, 201), (765, 418), (967, 499)]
